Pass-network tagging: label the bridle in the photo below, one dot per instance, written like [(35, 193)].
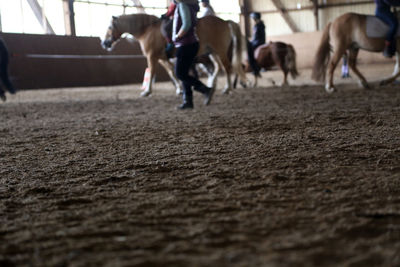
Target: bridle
[(115, 33)]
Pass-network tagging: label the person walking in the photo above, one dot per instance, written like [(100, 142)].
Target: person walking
[(187, 46), (384, 13)]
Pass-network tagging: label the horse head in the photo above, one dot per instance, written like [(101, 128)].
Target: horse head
[(112, 35)]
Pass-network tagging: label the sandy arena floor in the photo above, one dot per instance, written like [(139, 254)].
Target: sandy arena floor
[(267, 176)]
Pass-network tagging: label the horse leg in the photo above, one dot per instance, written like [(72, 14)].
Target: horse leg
[(285, 75), (337, 55), (395, 74), (169, 67), (152, 63), (396, 67), (212, 79), (225, 63), (353, 53)]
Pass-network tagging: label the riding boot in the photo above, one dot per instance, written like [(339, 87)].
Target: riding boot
[(207, 92), (3, 96), (187, 99)]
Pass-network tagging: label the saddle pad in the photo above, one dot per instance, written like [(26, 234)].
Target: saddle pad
[(376, 28)]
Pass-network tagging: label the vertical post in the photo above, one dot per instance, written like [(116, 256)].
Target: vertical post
[(316, 14), (244, 6), (69, 17)]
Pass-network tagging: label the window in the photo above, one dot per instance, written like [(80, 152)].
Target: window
[(17, 16), (92, 17)]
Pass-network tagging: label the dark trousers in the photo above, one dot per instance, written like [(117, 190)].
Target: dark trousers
[(250, 55), (185, 56), (5, 81), (389, 18)]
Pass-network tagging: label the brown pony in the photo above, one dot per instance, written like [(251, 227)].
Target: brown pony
[(216, 37), (347, 32), (276, 54)]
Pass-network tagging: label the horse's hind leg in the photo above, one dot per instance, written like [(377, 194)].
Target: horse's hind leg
[(337, 55), (353, 53), (395, 74), (212, 80)]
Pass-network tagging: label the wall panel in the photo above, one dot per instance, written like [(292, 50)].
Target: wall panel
[(50, 61)]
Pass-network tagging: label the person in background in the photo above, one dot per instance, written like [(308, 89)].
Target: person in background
[(258, 31), (258, 39), (207, 9), (166, 28), (187, 46), (345, 67), (384, 13)]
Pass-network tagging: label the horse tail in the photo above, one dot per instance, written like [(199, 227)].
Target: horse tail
[(237, 47), (290, 61), (322, 56)]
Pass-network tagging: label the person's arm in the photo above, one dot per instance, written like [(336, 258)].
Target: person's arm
[(186, 18)]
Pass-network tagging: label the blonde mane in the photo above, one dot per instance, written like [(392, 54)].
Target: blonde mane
[(135, 24)]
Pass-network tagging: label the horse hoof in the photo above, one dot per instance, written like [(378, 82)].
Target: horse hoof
[(365, 85), (226, 92), (329, 89), (383, 83), (145, 94)]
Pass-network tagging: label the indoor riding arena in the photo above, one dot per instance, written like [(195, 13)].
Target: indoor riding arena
[(92, 173)]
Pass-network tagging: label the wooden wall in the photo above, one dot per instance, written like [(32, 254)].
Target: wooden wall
[(51, 61)]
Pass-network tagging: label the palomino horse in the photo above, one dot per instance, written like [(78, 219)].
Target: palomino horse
[(347, 32), (5, 81), (277, 54), (216, 37)]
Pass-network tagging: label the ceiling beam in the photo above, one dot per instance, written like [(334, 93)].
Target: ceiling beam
[(39, 14), (281, 8)]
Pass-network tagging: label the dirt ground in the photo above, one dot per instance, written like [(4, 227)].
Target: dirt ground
[(267, 176)]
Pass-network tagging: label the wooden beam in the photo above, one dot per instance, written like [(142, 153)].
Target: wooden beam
[(281, 8), (39, 14), (316, 14), (69, 17), (245, 10)]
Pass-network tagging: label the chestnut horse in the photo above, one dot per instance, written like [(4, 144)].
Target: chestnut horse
[(216, 37), (347, 32), (277, 54)]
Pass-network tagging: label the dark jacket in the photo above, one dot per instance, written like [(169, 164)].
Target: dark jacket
[(258, 34), (386, 4)]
